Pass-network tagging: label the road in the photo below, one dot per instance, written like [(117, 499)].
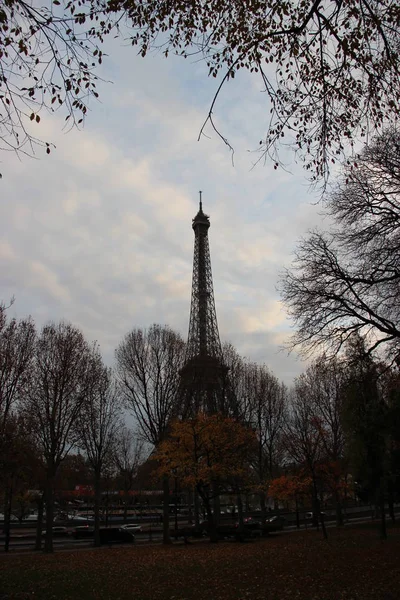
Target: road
[(23, 539)]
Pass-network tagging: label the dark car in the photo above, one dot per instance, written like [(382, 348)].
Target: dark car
[(310, 515), (276, 519), (132, 527), (61, 516), (199, 530), (275, 523), (83, 531), (251, 528), (251, 523), (58, 531), (116, 535)]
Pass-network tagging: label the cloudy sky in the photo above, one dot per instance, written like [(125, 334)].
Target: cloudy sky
[(99, 232)]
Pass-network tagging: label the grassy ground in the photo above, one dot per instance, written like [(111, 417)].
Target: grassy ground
[(352, 564)]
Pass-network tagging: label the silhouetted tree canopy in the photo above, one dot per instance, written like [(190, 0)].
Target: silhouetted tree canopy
[(347, 279), (330, 70), (49, 53)]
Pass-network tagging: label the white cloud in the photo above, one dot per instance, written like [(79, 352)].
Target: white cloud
[(42, 278), (99, 232), (7, 254)]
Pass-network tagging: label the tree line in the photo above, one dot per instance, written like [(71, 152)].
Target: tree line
[(332, 435), (334, 432)]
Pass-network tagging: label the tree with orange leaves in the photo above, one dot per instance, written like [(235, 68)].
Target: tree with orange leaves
[(291, 489), (206, 450)]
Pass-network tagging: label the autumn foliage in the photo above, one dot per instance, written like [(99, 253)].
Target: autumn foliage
[(206, 448), (290, 488)]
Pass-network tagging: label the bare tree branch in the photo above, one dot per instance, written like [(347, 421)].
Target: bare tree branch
[(348, 280)]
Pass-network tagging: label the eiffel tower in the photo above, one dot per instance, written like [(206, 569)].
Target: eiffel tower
[(204, 382)]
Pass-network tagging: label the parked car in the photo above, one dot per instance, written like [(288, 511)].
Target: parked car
[(32, 517), (57, 531), (116, 535), (83, 517), (251, 523), (309, 515), (13, 518), (275, 523), (83, 531), (197, 532), (133, 528), (61, 516), (251, 528)]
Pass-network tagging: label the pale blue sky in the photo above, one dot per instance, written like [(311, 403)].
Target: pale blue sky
[(99, 233)]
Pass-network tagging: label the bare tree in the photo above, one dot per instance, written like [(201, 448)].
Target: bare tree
[(55, 399), (327, 382), (367, 425), (268, 404), (98, 425), (302, 437), (19, 466), (259, 402), (348, 279), (128, 456), (148, 366), (238, 397), (17, 342)]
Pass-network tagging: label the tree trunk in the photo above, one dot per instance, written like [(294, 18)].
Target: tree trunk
[(315, 507), (39, 526), (7, 518), (48, 542), (106, 509), (345, 501), (97, 501), (297, 513), (196, 509), (263, 506), (166, 536), (190, 503), (382, 522), (216, 503), (391, 501), (324, 531), (339, 512), (317, 512), (126, 498), (240, 512), (176, 506), (212, 529)]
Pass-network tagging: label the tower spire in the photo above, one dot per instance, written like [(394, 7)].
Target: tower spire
[(200, 202)]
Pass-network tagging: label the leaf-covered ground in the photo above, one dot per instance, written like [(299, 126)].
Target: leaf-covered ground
[(352, 564)]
